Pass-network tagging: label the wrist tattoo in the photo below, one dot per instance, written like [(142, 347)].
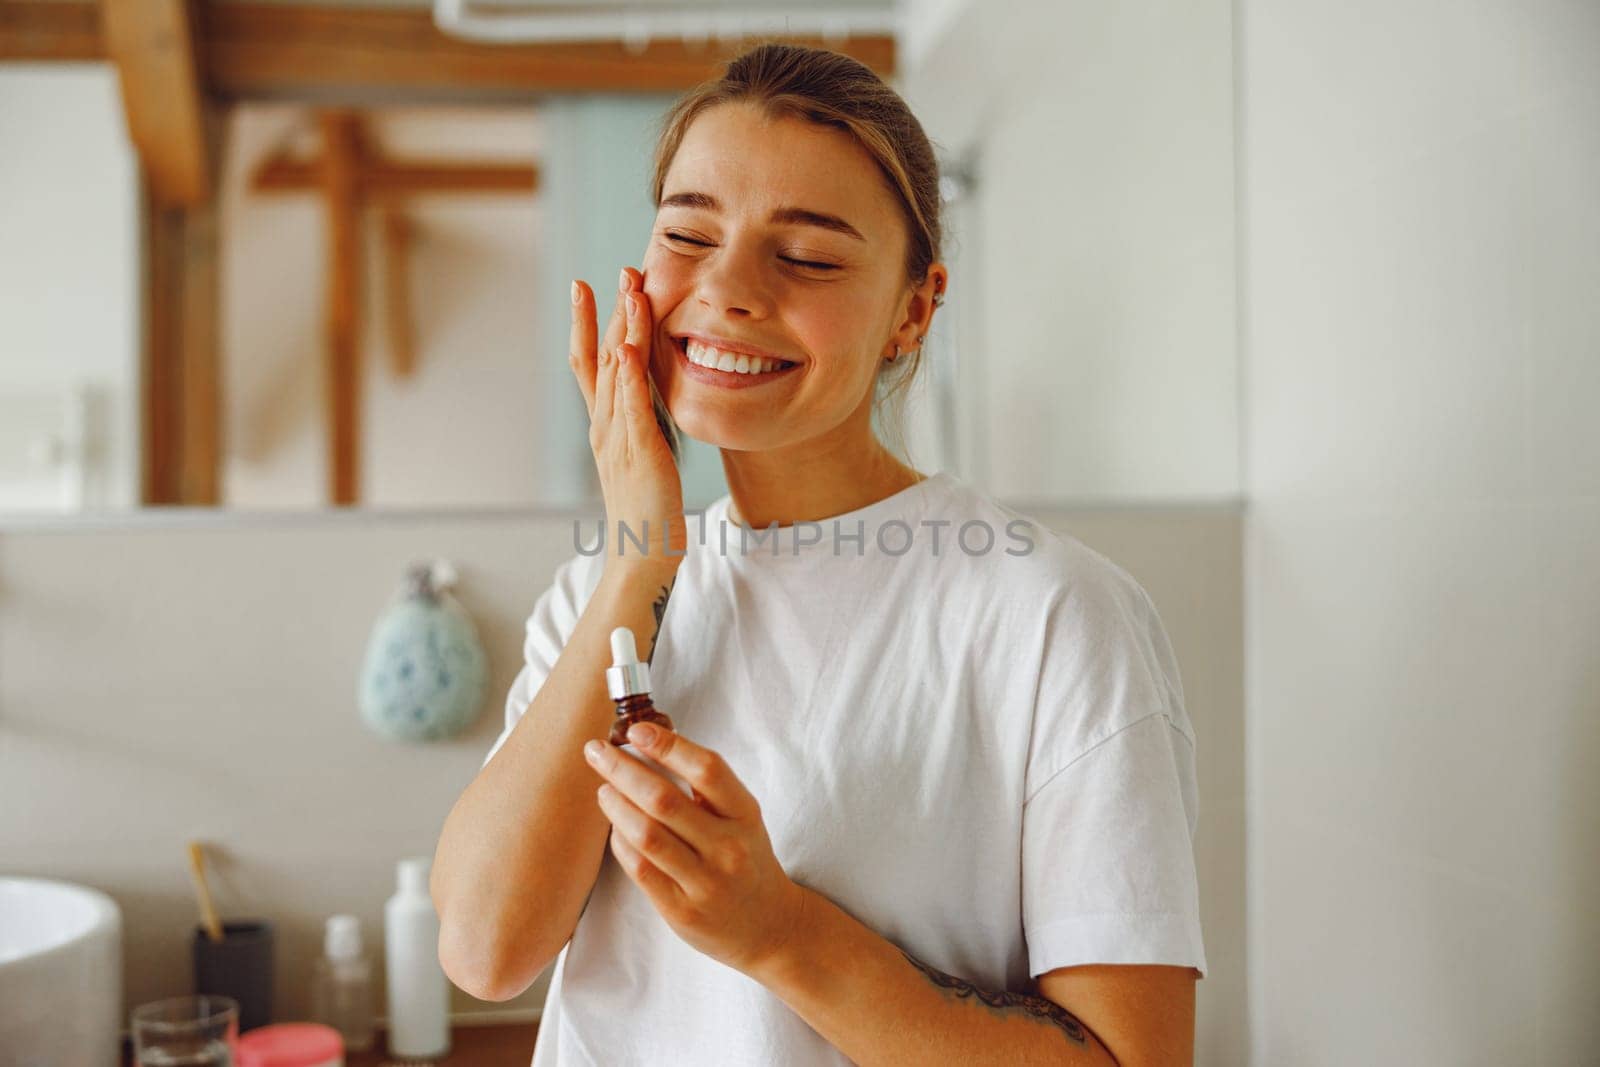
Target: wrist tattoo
[(1006, 1003), (659, 608)]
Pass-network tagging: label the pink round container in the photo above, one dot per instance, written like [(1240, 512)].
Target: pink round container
[(291, 1045)]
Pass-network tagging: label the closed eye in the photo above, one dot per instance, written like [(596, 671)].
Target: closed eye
[(787, 259)]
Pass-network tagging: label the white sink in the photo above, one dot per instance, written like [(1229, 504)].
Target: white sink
[(60, 974)]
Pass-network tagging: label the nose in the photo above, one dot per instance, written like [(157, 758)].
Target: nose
[(732, 282)]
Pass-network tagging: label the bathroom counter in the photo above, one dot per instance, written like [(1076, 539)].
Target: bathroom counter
[(497, 1045)]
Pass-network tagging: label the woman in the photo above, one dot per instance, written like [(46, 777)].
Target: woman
[(944, 781)]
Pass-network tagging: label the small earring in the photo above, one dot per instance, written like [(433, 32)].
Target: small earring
[(938, 300)]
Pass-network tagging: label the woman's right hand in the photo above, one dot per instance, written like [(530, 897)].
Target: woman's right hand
[(638, 475)]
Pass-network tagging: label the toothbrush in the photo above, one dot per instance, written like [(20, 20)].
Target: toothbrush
[(197, 868)]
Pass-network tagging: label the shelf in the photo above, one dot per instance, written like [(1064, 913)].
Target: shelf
[(501, 1045), (494, 1045)]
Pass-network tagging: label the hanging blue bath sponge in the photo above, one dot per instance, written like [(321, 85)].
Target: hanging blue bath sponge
[(425, 670)]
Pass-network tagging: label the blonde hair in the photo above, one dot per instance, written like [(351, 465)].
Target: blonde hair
[(836, 90)]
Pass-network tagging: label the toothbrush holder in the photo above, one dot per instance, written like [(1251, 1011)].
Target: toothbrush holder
[(238, 966)]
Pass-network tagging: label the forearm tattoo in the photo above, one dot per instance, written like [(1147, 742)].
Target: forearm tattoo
[(659, 606), (1007, 1004)]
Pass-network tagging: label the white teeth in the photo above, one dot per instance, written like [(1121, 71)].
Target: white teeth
[(706, 356)]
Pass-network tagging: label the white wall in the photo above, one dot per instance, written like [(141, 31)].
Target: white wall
[(1102, 246), (193, 675), (69, 283), (1422, 340)]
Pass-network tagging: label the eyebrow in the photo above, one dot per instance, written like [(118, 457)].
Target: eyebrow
[(793, 215)]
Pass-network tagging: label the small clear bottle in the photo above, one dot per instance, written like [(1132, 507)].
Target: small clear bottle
[(341, 984)]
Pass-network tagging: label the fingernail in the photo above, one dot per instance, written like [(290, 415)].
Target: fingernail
[(641, 733), (577, 294), (622, 280), (592, 750)]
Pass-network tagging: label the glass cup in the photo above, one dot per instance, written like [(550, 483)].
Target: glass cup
[(193, 1031)]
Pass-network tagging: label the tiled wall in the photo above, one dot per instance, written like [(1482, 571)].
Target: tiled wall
[(163, 679)]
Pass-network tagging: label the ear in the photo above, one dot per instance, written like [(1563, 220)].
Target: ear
[(917, 315)]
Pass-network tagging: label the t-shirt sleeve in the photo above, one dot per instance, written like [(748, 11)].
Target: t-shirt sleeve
[(1110, 803), (1108, 870), (555, 616)]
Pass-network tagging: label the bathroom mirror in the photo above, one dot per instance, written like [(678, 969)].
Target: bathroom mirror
[(1086, 351), (463, 395)]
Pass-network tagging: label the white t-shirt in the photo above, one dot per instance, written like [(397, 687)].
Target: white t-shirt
[(974, 742)]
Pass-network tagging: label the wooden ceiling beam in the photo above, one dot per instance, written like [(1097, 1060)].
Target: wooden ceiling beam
[(152, 42), (397, 239), (411, 178), (180, 375), (342, 153), (50, 30), (257, 49), (330, 54)]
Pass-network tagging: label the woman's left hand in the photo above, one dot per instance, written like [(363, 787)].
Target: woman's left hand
[(705, 864)]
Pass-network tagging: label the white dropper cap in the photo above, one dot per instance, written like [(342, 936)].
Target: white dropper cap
[(342, 941), (626, 676)]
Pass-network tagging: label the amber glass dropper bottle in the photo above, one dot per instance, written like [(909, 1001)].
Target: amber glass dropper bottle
[(628, 683)]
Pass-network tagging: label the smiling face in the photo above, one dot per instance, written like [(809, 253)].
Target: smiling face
[(739, 260)]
